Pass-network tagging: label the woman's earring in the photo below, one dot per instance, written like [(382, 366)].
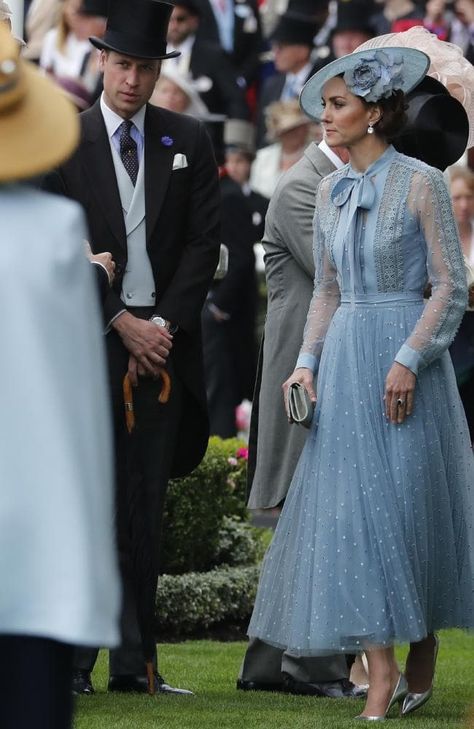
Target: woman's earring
[(370, 130)]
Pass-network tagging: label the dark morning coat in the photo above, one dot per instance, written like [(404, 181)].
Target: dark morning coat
[(182, 223)]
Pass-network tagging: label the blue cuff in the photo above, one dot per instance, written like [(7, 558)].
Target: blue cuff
[(409, 358), (309, 361)]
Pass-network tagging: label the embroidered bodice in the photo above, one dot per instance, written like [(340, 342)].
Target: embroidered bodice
[(386, 233)]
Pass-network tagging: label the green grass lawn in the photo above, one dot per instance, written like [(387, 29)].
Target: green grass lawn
[(210, 669)]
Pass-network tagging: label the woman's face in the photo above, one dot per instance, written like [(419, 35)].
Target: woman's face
[(345, 117), (168, 95), (463, 200)]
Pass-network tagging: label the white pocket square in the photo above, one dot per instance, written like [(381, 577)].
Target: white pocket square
[(179, 161)]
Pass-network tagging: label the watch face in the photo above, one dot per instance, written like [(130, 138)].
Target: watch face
[(159, 321)]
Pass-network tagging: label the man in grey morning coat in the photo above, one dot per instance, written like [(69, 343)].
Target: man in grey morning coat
[(275, 446)]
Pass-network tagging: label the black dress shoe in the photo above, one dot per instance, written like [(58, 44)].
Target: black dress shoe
[(342, 689), (243, 685), (81, 683), (132, 683)]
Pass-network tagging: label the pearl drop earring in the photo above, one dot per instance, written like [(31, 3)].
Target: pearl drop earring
[(370, 130)]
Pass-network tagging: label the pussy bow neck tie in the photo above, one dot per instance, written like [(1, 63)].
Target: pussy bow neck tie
[(359, 191)]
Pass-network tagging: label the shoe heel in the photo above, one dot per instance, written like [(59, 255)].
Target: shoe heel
[(414, 701)]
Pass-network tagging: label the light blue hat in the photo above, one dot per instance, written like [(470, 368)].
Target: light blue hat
[(372, 74)]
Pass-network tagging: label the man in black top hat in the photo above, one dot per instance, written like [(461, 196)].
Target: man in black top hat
[(206, 63), (292, 44), (147, 180)]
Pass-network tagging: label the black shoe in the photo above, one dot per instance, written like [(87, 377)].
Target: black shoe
[(132, 683), (81, 682), (327, 689), (243, 685)]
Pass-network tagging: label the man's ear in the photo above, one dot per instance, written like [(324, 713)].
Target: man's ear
[(102, 59)]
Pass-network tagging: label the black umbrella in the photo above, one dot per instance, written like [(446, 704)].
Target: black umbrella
[(142, 543)]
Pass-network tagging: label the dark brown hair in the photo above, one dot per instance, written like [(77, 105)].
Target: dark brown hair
[(393, 115)]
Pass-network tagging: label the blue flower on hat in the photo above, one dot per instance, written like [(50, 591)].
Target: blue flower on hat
[(376, 75), (167, 141)]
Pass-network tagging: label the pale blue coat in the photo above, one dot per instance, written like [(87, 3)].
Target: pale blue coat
[(58, 571)]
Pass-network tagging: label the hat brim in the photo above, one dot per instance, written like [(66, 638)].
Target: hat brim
[(415, 67), (40, 132), (132, 52)]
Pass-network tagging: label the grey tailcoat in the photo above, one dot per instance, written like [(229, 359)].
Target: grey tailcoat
[(275, 446)]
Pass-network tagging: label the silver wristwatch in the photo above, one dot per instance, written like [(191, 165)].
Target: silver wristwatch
[(160, 322)]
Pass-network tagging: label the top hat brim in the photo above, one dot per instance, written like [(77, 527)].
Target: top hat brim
[(416, 64), (114, 41)]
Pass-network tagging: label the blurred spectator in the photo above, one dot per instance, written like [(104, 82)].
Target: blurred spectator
[(178, 93), (393, 11), (270, 11), (66, 49), (42, 15), (462, 349), (235, 26), (292, 43), (289, 130), (205, 62), (239, 140), (353, 26), (462, 27)]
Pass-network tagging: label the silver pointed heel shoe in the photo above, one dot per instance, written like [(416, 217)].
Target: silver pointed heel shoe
[(399, 694), (413, 701)]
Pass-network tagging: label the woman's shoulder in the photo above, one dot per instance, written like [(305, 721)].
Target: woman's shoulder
[(416, 166)]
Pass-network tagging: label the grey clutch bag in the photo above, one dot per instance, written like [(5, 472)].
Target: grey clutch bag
[(300, 405)]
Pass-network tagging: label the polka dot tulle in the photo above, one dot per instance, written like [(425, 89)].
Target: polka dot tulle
[(375, 544)]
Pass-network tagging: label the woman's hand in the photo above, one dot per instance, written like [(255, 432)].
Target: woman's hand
[(305, 377), (399, 393)]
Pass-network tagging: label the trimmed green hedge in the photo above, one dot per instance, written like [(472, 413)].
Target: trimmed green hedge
[(197, 505), (187, 603)]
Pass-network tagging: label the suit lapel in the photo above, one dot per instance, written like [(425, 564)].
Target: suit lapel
[(158, 166), (99, 168), (323, 164)]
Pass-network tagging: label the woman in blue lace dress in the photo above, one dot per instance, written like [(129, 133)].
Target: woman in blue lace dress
[(375, 544)]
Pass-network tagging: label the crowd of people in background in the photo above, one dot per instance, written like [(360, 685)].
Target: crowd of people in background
[(242, 65)]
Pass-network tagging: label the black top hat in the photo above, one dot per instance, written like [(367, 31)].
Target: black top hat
[(137, 29), (94, 7), (437, 129), (190, 5), (354, 15), (294, 28)]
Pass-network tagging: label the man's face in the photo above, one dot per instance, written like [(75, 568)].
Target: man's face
[(290, 57), (128, 81), (182, 24), (238, 166), (346, 41)]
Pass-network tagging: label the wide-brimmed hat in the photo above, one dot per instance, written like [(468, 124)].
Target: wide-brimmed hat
[(437, 127), (447, 64), (39, 127), (190, 5), (281, 116), (372, 75), (137, 29), (196, 107)]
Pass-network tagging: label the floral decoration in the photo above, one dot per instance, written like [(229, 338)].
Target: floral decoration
[(167, 141), (376, 75)]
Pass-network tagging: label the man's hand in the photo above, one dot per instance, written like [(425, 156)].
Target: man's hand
[(149, 344), (399, 393), (105, 259)]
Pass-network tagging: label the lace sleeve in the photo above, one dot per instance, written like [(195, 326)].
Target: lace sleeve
[(435, 330), (326, 293)]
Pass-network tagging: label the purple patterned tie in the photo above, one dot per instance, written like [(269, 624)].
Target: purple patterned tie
[(128, 150)]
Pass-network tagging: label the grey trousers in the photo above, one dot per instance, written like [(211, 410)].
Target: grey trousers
[(264, 663)]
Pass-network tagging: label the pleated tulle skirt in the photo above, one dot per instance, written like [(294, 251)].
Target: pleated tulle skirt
[(375, 543)]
